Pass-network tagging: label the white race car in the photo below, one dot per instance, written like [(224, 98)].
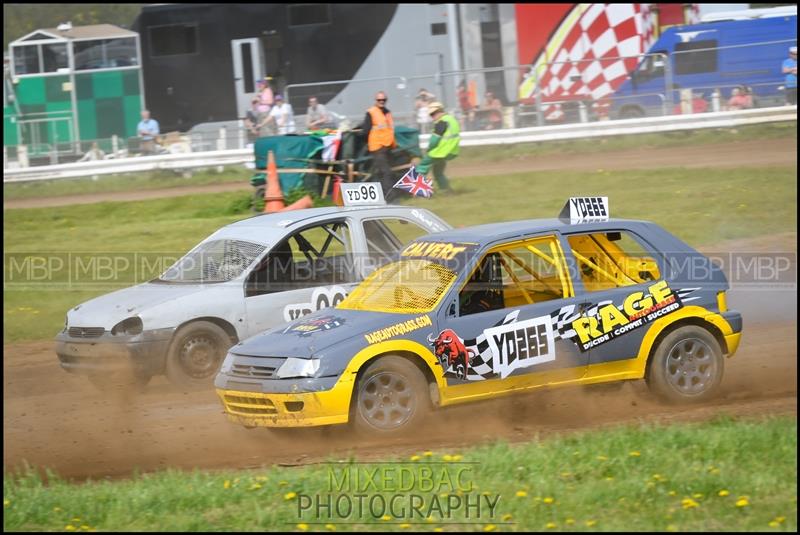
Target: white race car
[(243, 279)]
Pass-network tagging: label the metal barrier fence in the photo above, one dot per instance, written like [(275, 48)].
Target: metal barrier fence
[(557, 92)]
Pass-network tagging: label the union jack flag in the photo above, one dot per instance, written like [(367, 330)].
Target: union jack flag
[(416, 184)]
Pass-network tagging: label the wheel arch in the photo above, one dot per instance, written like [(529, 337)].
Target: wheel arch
[(685, 322), (225, 325)]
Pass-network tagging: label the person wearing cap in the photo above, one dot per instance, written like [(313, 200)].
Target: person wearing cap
[(443, 145), (283, 116), (378, 126), (790, 70)]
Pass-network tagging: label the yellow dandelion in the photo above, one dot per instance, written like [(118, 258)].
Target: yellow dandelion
[(415, 457), (521, 494), (506, 517), (672, 527), (6, 502), (70, 527), (405, 526), (610, 478), (438, 530), (548, 500), (657, 477), (255, 486), (386, 518), (590, 523), (57, 509), (457, 457), (697, 495), (290, 496), (551, 525), (780, 519), (302, 527), (427, 453), (723, 493), (742, 502), (330, 527), (688, 503), (774, 524), (429, 519), (602, 458), (226, 484), (569, 521), (672, 493), (489, 527), (447, 457), (635, 454), (485, 493), (85, 527)]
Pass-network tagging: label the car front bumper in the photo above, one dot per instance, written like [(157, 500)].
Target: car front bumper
[(143, 353)]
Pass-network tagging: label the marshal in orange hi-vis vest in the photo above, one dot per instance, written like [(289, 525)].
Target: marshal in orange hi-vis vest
[(382, 132)]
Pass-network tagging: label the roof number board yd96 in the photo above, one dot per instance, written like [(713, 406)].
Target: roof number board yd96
[(363, 194)]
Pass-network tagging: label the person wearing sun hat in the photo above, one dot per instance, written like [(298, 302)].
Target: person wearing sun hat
[(443, 145), (790, 70)]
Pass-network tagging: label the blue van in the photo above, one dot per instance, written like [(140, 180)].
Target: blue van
[(709, 56)]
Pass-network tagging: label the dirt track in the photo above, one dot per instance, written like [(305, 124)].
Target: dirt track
[(742, 153), (58, 420)]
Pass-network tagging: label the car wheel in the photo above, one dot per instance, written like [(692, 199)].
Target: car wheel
[(391, 397), (120, 381), (196, 353), (687, 366)]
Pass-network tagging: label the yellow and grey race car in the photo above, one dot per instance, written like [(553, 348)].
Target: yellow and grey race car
[(475, 313)]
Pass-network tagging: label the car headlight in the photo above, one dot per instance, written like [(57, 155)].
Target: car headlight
[(294, 367), (129, 326)]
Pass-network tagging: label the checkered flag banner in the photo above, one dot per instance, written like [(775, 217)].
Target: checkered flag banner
[(591, 53)]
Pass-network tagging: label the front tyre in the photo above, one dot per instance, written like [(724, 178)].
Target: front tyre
[(196, 353), (391, 397), (687, 366)]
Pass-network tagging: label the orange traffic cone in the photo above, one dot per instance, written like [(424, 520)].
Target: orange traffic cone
[(300, 204), (336, 196), (274, 196)]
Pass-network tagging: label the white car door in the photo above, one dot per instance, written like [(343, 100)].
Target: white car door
[(310, 269)]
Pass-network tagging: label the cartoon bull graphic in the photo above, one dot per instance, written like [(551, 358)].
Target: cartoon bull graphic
[(449, 348)]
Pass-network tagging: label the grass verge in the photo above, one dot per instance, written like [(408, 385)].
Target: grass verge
[(722, 475), (701, 206)]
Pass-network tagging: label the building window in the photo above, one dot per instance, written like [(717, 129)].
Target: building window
[(105, 54), (41, 58), (696, 57), (173, 40), (308, 14), (439, 28)]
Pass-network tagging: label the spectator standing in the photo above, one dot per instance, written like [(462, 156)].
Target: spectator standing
[(317, 117), (421, 105), (465, 104), (740, 99), (790, 70), (283, 115), (494, 111), (147, 130), (252, 119), (378, 126), (443, 145), (264, 95)]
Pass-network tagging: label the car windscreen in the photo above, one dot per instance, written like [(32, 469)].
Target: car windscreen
[(214, 261), (409, 286)]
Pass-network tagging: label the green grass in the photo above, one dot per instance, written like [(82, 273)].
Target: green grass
[(636, 478), (701, 206), (169, 179), (127, 182)]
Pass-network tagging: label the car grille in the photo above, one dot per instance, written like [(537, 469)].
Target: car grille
[(249, 406), (86, 332), (250, 371)]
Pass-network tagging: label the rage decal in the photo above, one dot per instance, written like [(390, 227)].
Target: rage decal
[(310, 326), (607, 321), (398, 328), (453, 355)]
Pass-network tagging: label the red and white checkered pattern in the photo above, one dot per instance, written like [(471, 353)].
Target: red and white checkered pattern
[(597, 54)]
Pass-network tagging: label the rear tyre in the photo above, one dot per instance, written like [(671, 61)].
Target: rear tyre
[(687, 366), (391, 397), (196, 353)]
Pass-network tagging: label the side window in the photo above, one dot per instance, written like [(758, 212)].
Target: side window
[(518, 274), (612, 259), (696, 56), (385, 238), (314, 256)]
